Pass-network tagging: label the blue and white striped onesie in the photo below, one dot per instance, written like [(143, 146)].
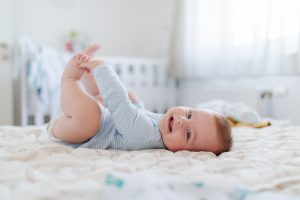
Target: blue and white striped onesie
[(124, 125)]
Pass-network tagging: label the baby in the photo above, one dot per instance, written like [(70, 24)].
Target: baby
[(124, 124)]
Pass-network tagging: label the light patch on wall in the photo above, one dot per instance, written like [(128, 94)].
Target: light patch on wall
[(62, 3)]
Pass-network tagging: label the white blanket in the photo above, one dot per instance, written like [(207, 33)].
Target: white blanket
[(263, 164)]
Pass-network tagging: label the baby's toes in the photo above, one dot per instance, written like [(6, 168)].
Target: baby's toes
[(85, 58), (77, 57), (80, 57)]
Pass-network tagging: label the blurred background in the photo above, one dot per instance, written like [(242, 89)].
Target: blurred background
[(245, 51)]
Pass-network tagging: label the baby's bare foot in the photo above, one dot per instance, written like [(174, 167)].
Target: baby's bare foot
[(93, 63), (72, 70)]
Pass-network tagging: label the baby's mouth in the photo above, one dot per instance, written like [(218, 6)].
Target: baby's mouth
[(170, 124)]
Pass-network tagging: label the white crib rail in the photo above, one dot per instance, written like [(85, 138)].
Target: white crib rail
[(147, 77)]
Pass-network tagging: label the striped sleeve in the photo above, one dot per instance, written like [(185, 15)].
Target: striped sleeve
[(128, 119)]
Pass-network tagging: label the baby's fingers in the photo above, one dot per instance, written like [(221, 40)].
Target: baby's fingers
[(91, 64), (84, 67)]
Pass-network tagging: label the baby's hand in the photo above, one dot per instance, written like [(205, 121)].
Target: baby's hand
[(72, 70), (91, 64)]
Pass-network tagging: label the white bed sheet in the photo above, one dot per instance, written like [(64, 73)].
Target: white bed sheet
[(263, 164)]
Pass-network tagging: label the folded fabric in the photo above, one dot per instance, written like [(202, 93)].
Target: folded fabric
[(237, 113)]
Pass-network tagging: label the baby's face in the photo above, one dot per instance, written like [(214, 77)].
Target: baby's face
[(184, 128)]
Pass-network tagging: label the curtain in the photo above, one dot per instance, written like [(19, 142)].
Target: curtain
[(230, 38)]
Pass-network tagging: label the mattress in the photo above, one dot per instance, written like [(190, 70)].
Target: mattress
[(263, 164)]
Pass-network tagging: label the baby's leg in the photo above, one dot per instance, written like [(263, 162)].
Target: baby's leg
[(89, 84), (87, 79), (81, 118)]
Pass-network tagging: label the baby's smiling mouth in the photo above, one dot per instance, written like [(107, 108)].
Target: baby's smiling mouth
[(170, 124)]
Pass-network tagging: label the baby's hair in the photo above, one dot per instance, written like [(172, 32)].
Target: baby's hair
[(223, 133)]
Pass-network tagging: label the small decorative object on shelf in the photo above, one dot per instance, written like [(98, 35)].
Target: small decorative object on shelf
[(76, 41)]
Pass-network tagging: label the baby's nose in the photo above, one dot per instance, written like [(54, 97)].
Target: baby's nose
[(180, 121)]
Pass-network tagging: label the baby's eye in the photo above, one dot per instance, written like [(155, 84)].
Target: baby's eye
[(189, 114), (188, 134)]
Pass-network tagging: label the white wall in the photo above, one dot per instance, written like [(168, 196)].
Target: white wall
[(122, 27), (6, 105), (247, 90), (139, 28)]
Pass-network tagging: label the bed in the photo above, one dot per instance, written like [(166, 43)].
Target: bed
[(263, 164)]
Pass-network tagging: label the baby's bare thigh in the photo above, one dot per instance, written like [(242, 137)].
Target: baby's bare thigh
[(78, 128)]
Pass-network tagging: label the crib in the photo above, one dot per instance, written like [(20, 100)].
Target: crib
[(147, 77)]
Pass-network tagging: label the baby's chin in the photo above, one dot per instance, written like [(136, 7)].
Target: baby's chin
[(174, 147)]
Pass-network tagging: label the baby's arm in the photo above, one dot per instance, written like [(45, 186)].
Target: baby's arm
[(90, 85), (127, 117), (135, 100)]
